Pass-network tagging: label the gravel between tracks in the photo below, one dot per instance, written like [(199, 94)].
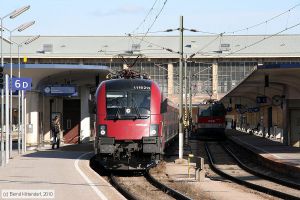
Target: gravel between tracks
[(140, 187), (211, 187)]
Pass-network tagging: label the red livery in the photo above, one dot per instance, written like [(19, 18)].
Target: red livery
[(211, 119), (134, 124)]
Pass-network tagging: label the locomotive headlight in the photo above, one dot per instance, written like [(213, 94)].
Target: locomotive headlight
[(102, 130), (153, 132), (153, 129)]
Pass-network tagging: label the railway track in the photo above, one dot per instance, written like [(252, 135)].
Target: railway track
[(140, 185), (260, 171), (225, 165), (144, 187)]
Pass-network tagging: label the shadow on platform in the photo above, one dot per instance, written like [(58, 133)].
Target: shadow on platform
[(64, 152)]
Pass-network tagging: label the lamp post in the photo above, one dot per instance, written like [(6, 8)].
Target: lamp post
[(21, 125), (186, 101), (12, 15), (3, 154), (180, 153), (190, 101), (20, 29)]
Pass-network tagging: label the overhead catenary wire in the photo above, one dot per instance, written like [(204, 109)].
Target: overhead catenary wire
[(153, 32), (263, 39), (220, 35), (287, 20), (154, 44), (144, 20), (160, 64), (177, 52), (247, 46), (155, 19), (235, 31), (198, 31), (177, 29), (263, 22), (205, 46)]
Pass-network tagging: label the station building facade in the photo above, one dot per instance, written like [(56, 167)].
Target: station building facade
[(217, 64)]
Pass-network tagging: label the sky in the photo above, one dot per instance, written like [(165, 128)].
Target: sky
[(119, 17)]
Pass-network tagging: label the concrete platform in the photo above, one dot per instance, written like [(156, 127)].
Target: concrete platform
[(64, 171), (279, 157)]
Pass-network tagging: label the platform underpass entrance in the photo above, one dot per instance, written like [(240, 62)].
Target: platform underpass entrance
[(71, 120)]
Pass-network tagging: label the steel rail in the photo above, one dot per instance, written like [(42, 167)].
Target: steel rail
[(121, 189), (167, 190), (256, 173), (245, 183), (173, 193)]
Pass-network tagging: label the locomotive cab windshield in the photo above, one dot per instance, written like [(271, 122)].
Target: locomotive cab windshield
[(129, 104), (209, 110)]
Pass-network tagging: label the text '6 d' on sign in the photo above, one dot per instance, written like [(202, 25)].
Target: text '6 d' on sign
[(21, 83)]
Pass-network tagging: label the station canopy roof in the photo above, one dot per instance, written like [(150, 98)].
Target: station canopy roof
[(205, 46), (274, 82)]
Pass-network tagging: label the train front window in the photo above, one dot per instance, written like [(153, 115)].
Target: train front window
[(127, 104), (214, 110), (116, 102), (205, 113), (219, 110), (141, 101)]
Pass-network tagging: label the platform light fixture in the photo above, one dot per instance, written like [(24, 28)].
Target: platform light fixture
[(6, 40), (32, 39), (11, 15), (18, 12), (25, 26)]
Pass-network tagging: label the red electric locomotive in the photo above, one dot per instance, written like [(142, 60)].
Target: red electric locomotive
[(133, 124), (211, 120)]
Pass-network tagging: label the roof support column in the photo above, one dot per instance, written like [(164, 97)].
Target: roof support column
[(85, 130), (81, 61), (33, 119), (215, 80), (286, 118), (170, 79), (260, 61)]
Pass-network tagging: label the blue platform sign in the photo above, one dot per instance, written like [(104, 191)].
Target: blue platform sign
[(21, 83), (261, 99), (60, 90)]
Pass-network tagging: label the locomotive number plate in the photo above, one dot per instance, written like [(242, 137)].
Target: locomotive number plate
[(141, 87), (149, 140)]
